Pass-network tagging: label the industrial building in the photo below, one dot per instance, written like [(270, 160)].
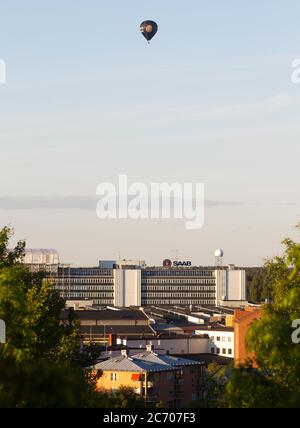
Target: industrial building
[(127, 283)]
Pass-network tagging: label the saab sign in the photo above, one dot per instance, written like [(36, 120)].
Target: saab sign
[(169, 263), (2, 331), (184, 264)]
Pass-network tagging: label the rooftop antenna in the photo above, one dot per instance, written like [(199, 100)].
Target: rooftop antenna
[(219, 255)]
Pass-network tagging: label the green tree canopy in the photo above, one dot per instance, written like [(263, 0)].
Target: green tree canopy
[(40, 364), (277, 381)]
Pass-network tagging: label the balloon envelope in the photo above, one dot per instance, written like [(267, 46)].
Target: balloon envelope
[(148, 29)]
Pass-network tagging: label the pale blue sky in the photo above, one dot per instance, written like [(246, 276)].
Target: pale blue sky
[(211, 100)]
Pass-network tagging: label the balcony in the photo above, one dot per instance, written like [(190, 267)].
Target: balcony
[(150, 384)]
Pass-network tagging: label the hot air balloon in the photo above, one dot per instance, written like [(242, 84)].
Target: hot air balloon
[(148, 29)]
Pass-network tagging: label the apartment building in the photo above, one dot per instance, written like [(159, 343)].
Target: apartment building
[(161, 379)]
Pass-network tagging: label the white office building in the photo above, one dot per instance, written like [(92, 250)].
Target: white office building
[(128, 283)]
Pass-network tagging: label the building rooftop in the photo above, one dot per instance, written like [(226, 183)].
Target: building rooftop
[(119, 330), (215, 328), (130, 364), (165, 359), (146, 361), (108, 314)]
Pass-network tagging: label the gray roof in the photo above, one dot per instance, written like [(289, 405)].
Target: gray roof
[(130, 364), (165, 359), (108, 315), (146, 361), (119, 330)]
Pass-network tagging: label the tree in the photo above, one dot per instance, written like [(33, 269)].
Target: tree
[(40, 365), (259, 285), (9, 257), (212, 387), (277, 381), (123, 398), (31, 308)]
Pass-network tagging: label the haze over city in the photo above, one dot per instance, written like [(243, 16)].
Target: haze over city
[(211, 101)]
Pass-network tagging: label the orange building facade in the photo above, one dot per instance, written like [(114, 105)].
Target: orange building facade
[(242, 321), (158, 379)]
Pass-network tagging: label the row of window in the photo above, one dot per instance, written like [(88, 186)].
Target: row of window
[(176, 302), (178, 273), (178, 281), (103, 302), (177, 288), (94, 295), (70, 280), (85, 272), (84, 288), (174, 295), (224, 351), (221, 339)]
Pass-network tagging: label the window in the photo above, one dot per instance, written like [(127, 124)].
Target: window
[(218, 350), (212, 350), (218, 339), (114, 377), (229, 351), (229, 339), (223, 339), (223, 351)]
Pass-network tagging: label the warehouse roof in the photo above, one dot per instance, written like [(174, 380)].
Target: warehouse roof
[(108, 314)]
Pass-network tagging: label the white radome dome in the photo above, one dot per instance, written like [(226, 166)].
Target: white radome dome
[(219, 253)]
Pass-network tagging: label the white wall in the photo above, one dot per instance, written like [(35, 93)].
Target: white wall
[(221, 285), (230, 285), (225, 344), (236, 289), (127, 290)]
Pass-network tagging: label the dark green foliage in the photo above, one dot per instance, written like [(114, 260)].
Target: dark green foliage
[(259, 285), (277, 381), (212, 387), (41, 364)]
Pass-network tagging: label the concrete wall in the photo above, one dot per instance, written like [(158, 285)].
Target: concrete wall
[(236, 288), (127, 290), (230, 286)]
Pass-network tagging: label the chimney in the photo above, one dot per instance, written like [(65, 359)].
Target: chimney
[(112, 340), (149, 347), (124, 353)]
